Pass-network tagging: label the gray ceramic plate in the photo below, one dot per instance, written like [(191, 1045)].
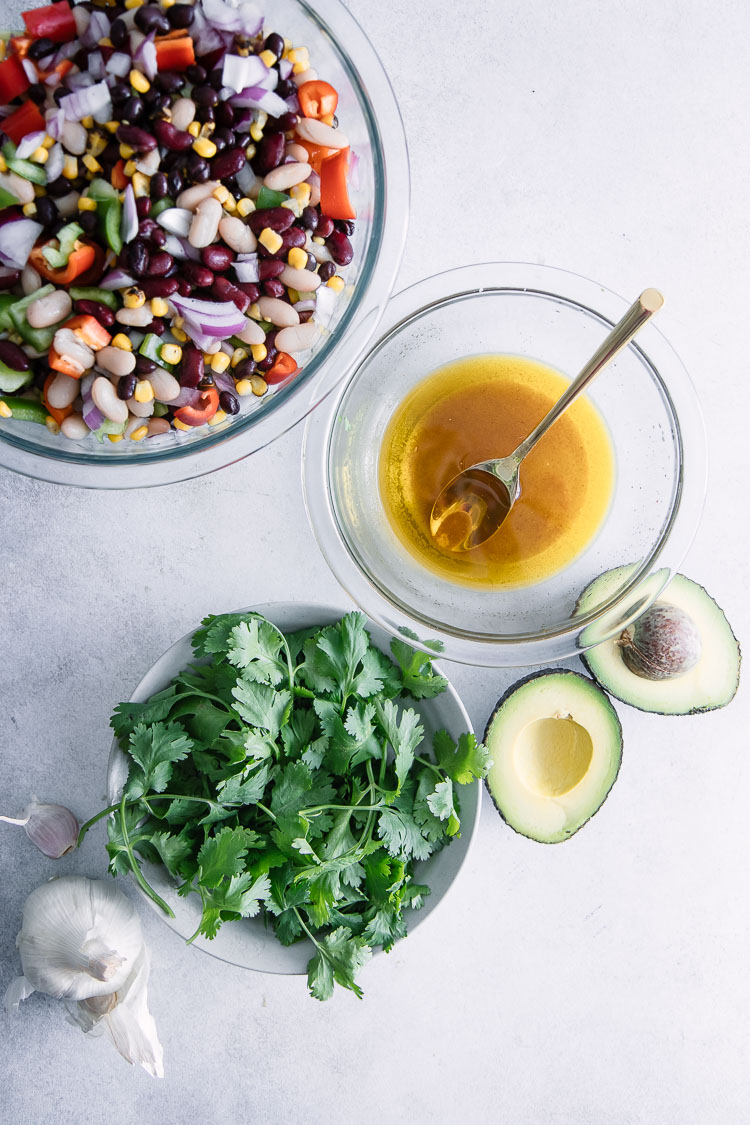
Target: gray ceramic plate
[(250, 943)]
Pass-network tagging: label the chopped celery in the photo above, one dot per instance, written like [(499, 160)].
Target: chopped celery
[(11, 380), (58, 257), (108, 427), (26, 410)]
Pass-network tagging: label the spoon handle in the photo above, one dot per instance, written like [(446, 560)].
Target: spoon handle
[(649, 302)]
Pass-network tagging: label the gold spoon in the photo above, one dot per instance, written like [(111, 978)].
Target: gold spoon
[(475, 503)]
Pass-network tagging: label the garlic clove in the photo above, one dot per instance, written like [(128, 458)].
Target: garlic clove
[(52, 828)]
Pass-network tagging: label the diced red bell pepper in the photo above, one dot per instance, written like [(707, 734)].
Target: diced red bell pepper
[(58, 413), (334, 189), (202, 412), (118, 177), (316, 154), (14, 80), (317, 98), (174, 51), (78, 265), (65, 366), (19, 45), (282, 368), (55, 22), (27, 119), (88, 329)]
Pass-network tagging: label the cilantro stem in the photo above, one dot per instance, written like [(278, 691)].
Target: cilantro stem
[(135, 866), (309, 932), (90, 823), (145, 799), (430, 765), (267, 811)]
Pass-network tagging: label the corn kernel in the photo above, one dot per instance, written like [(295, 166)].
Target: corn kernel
[(194, 128), (134, 298), (86, 204), (271, 240), (258, 385), (300, 67), (5, 410), (168, 3), (268, 57), (294, 206), (254, 311), (245, 206), (287, 47), (106, 42), (3, 163), (114, 438), (120, 340), (177, 322), (318, 240), (91, 163), (297, 258), (207, 128), (299, 55), (48, 141), (238, 355), (220, 362), (87, 121), (170, 353), (336, 283), (179, 425), (230, 204), (143, 392), (250, 151), (139, 433), (29, 209), (141, 184), (293, 295), (129, 168), (258, 352), (159, 306), (179, 334), (256, 132), (70, 168), (221, 193), (130, 4), (218, 418), (40, 155), (97, 144), (111, 126), (301, 192), (243, 387), (126, 152), (203, 147), (139, 82)]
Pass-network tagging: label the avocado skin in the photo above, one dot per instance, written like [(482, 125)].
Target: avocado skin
[(666, 714), (504, 698)]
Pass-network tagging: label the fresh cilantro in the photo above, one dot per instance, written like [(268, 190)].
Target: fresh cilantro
[(417, 675), (464, 762)]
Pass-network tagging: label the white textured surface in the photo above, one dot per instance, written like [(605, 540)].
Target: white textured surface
[(604, 981)]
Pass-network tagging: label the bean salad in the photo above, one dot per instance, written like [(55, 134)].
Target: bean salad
[(174, 215)]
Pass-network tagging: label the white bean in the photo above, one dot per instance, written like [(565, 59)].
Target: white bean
[(297, 152), (252, 333), (237, 235), (77, 353), (67, 205), (165, 386), (134, 423), (314, 182), (135, 318), (205, 224), (18, 186), (183, 113), (287, 176), (48, 310), (192, 196), (298, 338), (308, 75), (304, 281), (318, 133), (63, 391), (30, 280), (141, 409), (158, 426), (74, 427), (105, 398), (149, 162), (278, 312), (74, 137), (115, 361)]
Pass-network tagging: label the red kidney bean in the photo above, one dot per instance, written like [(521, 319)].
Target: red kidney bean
[(224, 290), (142, 206), (175, 181), (13, 356), (192, 367), (137, 138), (126, 385), (198, 168), (144, 366), (184, 288), (287, 121), (245, 368), (325, 226), (250, 289), (133, 110), (274, 288), (269, 154), (100, 312), (340, 247), (10, 279), (346, 226), (289, 238), (269, 267), (277, 218), (175, 140), (305, 315), (229, 403), (199, 276), (160, 287), (158, 186), (268, 362), (146, 227), (217, 257), (159, 263), (157, 326), (158, 236), (137, 253), (227, 163)]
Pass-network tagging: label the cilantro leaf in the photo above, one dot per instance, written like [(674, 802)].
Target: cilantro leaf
[(401, 835), (244, 790), (213, 637), (241, 897), (339, 958), (404, 736), (173, 851), (154, 750), (464, 762), (221, 855), (256, 647), (127, 715), (263, 706), (440, 802), (417, 674)]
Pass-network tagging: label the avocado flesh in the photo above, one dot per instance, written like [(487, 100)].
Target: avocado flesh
[(556, 744), (708, 685)]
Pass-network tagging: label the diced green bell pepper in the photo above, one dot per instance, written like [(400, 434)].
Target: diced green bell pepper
[(6, 300), (26, 410), (150, 347), (93, 293), (108, 427), (40, 339), (29, 171), (159, 206), (267, 197), (7, 199), (12, 380)]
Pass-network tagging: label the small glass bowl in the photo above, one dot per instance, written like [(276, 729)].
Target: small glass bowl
[(343, 55), (645, 397)]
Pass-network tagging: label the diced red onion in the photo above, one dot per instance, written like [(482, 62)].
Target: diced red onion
[(117, 279), (82, 17), (224, 382), (286, 66), (244, 18), (29, 144), (176, 220), (63, 52), (173, 246), (239, 73), (92, 415), (129, 221), (188, 250), (78, 80), (258, 98), (55, 161), (247, 271), (325, 304), (98, 28), (8, 276), (16, 241), (145, 55), (55, 119), (92, 101), (222, 318), (119, 64), (307, 305), (246, 178), (31, 71), (188, 396)]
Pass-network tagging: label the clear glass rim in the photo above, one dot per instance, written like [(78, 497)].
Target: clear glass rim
[(382, 259), (678, 529)]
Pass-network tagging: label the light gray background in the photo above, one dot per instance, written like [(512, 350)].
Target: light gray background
[(604, 981)]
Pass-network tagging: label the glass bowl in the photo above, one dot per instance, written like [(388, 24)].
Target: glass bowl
[(250, 943), (645, 397), (343, 55)]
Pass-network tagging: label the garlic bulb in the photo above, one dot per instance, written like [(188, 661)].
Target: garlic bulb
[(81, 942), (53, 828)]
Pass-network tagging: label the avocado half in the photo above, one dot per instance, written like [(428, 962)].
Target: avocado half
[(556, 744), (712, 680)]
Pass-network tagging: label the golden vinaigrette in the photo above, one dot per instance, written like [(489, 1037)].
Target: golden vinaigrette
[(483, 407)]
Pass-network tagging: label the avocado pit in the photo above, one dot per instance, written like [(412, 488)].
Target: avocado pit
[(662, 644)]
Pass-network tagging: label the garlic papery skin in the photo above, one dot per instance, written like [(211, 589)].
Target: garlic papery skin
[(53, 828), (79, 938)]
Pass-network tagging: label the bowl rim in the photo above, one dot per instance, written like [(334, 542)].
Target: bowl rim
[(285, 408), (117, 764), (560, 642)]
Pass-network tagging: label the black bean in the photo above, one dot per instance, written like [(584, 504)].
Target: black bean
[(229, 403), (118, 33), (180, 15), (46, 212), (149, 18), (309, 219), (137, 253), (143, 365), (126, 385), (285, 88), (287, 122), (346, 226), (37, 92), (326, 271), (216, 77), (205, 95), (175, 181), (169, 81), (119, 93), (41, 47), (205, 114), (87, 219), (225, 114), (196, 74), (206, 381), (159, 186), (198, 169), (245, 368), (275, 44), (225, 135), (133, 109)]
